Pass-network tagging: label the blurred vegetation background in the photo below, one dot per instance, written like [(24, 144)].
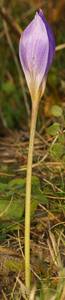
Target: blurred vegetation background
[(48, 178)]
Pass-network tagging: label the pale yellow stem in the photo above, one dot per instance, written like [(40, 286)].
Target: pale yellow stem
[(28, 195), (35, 103)]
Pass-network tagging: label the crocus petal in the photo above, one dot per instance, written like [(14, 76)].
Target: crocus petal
[(51, 40), (36, 53)]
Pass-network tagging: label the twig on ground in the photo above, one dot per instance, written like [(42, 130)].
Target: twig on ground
[(17, 66)]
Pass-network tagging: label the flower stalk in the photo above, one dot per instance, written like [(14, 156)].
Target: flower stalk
[(28, 193)]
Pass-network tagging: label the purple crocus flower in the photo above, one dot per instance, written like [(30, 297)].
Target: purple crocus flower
[(36, 51)]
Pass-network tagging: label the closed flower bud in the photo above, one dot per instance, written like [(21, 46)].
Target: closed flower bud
[(36, 51)]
